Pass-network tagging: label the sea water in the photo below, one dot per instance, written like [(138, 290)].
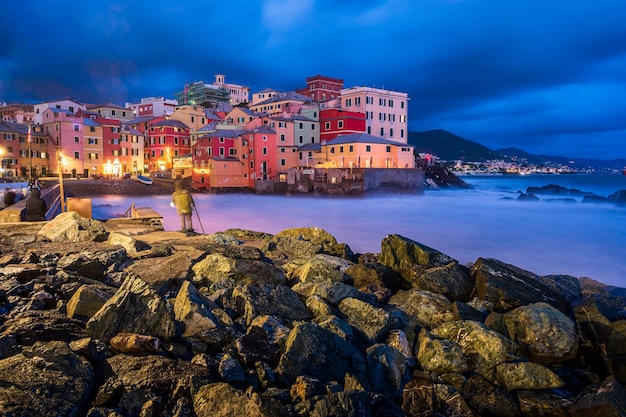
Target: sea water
[(549, 236)]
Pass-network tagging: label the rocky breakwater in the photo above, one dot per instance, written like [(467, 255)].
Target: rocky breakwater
[(102, 323)]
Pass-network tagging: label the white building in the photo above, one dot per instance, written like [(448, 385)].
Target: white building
[(153, 106), (238, 93), (386, 112), (66, 104)]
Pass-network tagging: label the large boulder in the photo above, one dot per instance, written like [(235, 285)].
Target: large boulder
[(488, 399), (452, 280), (544, 333), (87, 300), (165, 273), (410, 258), (321, 354), (606, 399), (317, 236), (42, 325), (440, 355), (219, 271), (135, 308), (508, 287), (269, 299), (427, 308), (72, 227), (45, 380), (484, 348), (372, 322), (197, 313), (527, 376), (93, 264)]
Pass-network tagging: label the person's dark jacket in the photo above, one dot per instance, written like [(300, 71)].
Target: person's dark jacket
[(35, 207)]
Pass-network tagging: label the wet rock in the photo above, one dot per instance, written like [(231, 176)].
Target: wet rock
[(543, 403), (373, 323), (527, 376), (331, 292), (410, 258), (281, 248), (419, 398), (46, 379), (566, 285), (318, 236), (321, 354), (543, 333), (427, 308), (163, 274), (484, 348), (258, 346), (318, 270), (93, 265), (197, 313), (45, 325), (508, 287), (135, 308), (464, 311), (72, 227)]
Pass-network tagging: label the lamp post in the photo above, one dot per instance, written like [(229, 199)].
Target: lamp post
[(61, 192)]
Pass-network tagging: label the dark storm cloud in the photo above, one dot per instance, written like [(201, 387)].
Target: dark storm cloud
[(546, 77)]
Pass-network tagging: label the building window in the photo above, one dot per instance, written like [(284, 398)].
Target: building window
[(390, 103), (327, 125), (76, 139), (382, 131), (232, 152), (282, 150), (332, 149), (388, 148), (282, 138), (341, 149), (368, 148), (340, 124), (283, 162), (402, 104), (221, 151), (76, 128), (390, 133), (401, 133), (351, 148), (76, 155), (264, 150)]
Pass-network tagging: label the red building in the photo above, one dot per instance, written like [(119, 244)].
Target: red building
[(322, 88), (166, 140), (335, 122), (262, 159)]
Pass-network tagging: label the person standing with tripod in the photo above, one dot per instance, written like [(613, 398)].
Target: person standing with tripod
[(183, 201)]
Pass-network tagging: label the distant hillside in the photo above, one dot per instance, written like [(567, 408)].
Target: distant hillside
[(449, 147)]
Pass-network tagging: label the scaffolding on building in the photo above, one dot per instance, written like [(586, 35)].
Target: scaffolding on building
[(207, 95)]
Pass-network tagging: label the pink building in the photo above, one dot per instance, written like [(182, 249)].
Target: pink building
[(66, 147)]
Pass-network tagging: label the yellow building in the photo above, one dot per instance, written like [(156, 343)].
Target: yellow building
[(360, 150)]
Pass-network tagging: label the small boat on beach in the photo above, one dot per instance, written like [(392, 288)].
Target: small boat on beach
[(144, 180)]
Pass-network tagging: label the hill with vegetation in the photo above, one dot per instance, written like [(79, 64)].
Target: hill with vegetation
[(450, 147)]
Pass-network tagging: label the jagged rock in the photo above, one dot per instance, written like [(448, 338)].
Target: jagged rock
[(210, 400), (46, 379), (508, 287), (93, 265), (387, 369), (275, 330), (45, 325), (135, 308), (135, 343), (484, 348), (318, 236), (371, 322), (231, 251), (197, 313), (488, 399), (269, 299), (163, 273), (566, 285), (140, 379), (440, 355), (129, 243), (257, 346), (364, 275), (304, 388), (543, 333), (321, 354), (332, 292), (281, 248), (526, 375), (543, 403), (230, 369), (349, 403), (428, 308), (318, 307), (317, 270), (410, 258), (249, 234), (72, 227), (452, 280), (419, 398), (338, 326), (87, 300), (398, 340), (464, 311), (606, 399), (219, 271)]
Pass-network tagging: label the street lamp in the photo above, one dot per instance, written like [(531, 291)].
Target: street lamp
[(61, 192)]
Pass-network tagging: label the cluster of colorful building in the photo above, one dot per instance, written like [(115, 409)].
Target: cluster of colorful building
[(219, 134)]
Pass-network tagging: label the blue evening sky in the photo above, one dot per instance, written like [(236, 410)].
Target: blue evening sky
[(546, 76)]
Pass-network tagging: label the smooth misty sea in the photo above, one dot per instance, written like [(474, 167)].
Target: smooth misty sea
[(546, 237)]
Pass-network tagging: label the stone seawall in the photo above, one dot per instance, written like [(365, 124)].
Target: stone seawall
[(104, 319)]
